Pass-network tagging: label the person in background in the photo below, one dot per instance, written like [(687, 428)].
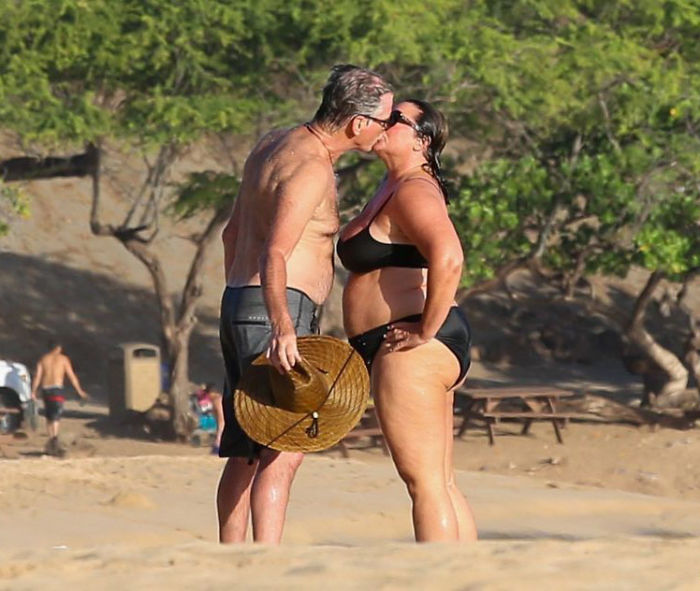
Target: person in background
[(216, 399), (51, 371)]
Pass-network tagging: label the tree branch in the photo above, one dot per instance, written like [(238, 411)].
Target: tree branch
[(27, 168), (643, 300), (155, 269), (193, 286), (500, 280)]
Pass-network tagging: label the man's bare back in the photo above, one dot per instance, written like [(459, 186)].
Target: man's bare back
[(51, 371), (274, 179)]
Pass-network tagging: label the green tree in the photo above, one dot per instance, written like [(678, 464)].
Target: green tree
[(13, 202), (150, 78), (599, 170)]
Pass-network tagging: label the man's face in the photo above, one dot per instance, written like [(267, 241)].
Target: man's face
[(369, 129)]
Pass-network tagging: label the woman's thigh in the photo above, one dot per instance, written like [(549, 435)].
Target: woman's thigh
[(449, 435), (410, 389)]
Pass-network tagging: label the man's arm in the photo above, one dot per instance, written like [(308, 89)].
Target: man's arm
[(297, 199), (74, 379), (229, 237), (37, 378)]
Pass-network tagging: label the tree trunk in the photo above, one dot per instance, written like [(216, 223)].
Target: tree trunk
[(176, 326), (672, 391), (180, 383), (692, 351), (571, 280)]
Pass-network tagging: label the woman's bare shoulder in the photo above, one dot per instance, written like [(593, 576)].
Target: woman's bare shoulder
[(418, 189)]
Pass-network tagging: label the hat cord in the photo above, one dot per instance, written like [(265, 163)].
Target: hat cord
[(312, 430)]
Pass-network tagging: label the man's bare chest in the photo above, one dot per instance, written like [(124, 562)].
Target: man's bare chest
[(325, 217)]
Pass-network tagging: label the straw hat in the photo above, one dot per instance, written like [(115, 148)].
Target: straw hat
[(310, 408)]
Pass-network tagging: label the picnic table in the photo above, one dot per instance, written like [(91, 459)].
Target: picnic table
[(521, 403)]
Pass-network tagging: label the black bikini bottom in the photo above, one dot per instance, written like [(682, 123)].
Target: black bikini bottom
[(454, 333)]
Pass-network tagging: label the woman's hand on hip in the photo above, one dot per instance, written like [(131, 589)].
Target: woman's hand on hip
[(404, 335)]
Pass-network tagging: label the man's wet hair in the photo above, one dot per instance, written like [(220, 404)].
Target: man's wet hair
[(53, 343), (350, 91)]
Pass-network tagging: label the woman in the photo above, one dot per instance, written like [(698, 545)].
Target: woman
[(405, 261)]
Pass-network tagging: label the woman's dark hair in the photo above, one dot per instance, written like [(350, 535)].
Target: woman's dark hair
[(432, 125)]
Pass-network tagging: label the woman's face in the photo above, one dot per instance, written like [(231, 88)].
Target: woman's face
[(401, 137)]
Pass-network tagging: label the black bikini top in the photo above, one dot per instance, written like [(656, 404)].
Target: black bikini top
[(361, 253)]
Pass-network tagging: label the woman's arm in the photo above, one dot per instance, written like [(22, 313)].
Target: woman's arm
[(419, 211)]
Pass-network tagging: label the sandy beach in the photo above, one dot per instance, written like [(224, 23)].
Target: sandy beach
[(126, 512)]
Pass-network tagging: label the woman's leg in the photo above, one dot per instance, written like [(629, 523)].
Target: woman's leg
[(465, 517), (410, 389)]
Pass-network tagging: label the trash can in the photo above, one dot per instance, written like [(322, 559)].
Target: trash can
[(134, 377)]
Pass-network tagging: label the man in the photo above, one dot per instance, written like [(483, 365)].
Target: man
[(278, 256), (51, 370)]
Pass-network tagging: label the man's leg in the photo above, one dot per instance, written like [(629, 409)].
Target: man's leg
[(48, 417), (52, 412), (270, 493), (233, 499), (53, 447)]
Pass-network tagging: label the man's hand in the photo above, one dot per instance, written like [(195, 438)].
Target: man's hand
[(84, 397), (282, 349), (403, 335)]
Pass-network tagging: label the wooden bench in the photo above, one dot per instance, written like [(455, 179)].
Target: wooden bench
[(366, 428), (536, 403)]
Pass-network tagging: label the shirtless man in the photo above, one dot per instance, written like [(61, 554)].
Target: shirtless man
[(51, 370), (278, 256)]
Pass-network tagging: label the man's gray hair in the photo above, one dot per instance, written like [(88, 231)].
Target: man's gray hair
[(350, 91)]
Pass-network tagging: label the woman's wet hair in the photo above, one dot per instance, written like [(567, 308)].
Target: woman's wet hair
[(350, 91), (432, 125)]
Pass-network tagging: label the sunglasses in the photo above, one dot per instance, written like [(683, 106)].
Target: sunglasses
[(385, 123), (395, 117), (398, 117)]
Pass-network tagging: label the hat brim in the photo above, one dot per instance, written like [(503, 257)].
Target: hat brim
[(284, 430)]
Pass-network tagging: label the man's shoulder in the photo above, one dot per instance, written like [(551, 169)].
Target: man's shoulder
[(297, 156), (273, 135), (272, 140)]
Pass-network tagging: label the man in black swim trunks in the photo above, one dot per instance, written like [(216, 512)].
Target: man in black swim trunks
[(51, 371), (278, 257)]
